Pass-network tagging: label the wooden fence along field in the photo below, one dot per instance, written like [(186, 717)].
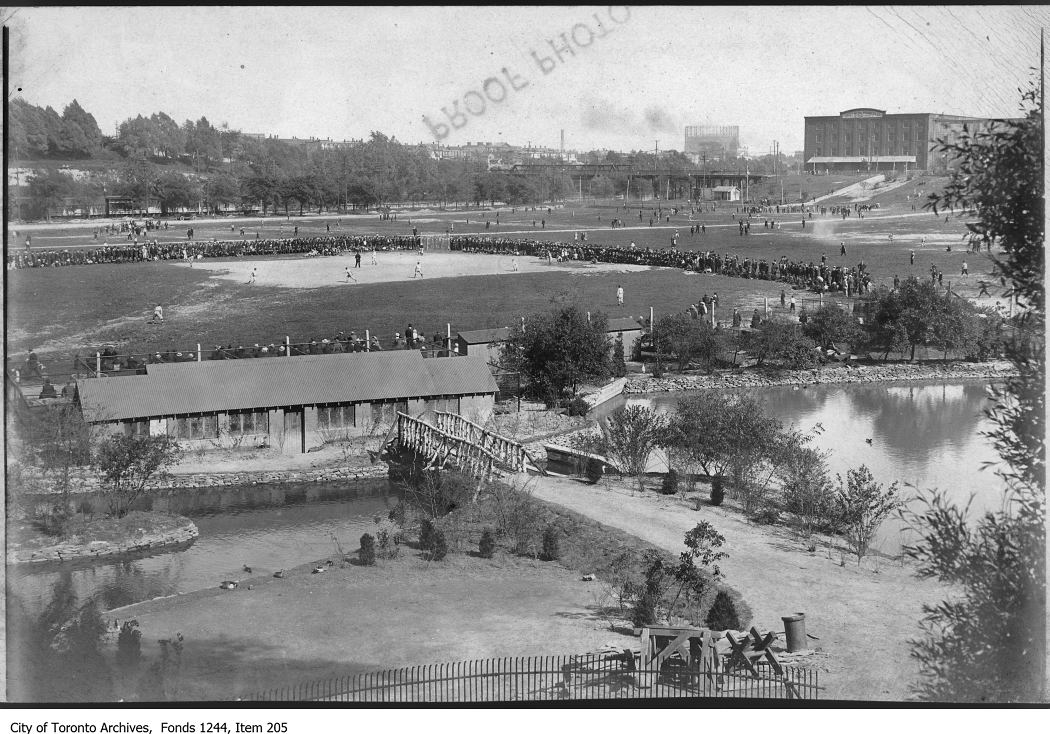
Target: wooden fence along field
[(551, 678)]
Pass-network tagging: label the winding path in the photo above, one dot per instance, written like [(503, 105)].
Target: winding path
[(863, 615)]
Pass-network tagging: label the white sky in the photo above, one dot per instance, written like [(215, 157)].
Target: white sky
[(342, 72)]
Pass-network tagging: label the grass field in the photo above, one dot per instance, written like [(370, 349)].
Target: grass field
[(61, 310)]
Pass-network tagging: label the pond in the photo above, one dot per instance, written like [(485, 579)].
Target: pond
[(266, 527), (924, 435)]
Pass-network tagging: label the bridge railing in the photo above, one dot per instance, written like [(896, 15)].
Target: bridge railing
[(507, 450)]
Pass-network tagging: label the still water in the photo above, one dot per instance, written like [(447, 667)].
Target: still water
[(266, 527), (923, 435)]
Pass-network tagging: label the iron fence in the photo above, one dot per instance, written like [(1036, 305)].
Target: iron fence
[(549, 678)]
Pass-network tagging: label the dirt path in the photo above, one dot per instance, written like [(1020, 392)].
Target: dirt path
[(862, 615)]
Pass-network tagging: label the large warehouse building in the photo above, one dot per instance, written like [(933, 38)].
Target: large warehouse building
[(864, 139), (716, 142)]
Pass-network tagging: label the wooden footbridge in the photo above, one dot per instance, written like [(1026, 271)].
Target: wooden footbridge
[(452, 439)]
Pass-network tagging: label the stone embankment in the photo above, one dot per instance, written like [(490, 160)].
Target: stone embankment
[(88, 482), (825, 376), (185, 533)]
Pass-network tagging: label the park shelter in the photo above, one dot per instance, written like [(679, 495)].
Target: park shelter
[(726, 193), (293, 403), (627, 328), (485, 343)]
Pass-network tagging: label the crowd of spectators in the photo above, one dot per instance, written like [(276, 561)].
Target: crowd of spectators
[(818, 277), (190, 250)]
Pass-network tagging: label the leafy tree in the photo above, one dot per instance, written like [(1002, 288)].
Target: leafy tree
[(905, 317), (367, 552), (731, 436), (987, 642), (697, 566), (487, 544), (601, 187), (830, 324), (629, 435), (551, 551), (79, 135), (557, 350), (46, 191), (174, 190), (861, 506), (127, 463), (807, 489), (222, 189), (722, 614), (688, 339), (783, 342)]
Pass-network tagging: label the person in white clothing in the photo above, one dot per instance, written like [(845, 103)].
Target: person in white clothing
[(619, 296)]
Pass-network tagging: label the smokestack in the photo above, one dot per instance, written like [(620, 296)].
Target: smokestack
[(563, 140)]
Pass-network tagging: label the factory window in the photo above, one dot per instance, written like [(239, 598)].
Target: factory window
[(137, 429), (196, 427), (337, 416), (248, 422)]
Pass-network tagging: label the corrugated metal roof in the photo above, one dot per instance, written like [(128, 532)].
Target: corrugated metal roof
[(242, 384), (485, 336)]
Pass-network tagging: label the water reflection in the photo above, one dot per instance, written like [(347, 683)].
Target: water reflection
[(926, 435), (267, 527)]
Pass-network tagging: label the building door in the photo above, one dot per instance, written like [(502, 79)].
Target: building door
[(294, 430)]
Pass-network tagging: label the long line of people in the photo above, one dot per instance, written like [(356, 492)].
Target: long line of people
[(809, 275), (155, 250)]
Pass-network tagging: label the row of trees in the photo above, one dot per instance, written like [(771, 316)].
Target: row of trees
[(768, 466), (914, 315), (155, 158), (40, 132), (561, 348)]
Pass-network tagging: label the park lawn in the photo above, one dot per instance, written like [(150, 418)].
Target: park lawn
[(65, 309), (401, 612)]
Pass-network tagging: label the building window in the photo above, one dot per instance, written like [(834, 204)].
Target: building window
[(337, 416), (196, 427), (137, 429), (249, 422)]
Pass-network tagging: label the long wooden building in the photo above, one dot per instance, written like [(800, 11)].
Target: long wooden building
[(293, 403)]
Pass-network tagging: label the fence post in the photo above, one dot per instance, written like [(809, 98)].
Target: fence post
[(368, 342), (198, 352), (287, 346), (98, 364)]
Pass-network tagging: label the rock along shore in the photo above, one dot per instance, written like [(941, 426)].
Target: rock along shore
[(185, 533), (89, 482), (824, 376)]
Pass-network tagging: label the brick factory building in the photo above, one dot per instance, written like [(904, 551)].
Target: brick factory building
[(865, 139)]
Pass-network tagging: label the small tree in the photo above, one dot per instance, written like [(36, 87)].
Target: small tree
[(669, 484), (127, 463), (629, 436), (722, 615), (718, 491), (438, 546), (426, 534), (367, 552), (862, 504), (129, 646), (829, 324), (697, 565), (807, 489), (688, 339), (551, 552), (646, 610), (487, 545)]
